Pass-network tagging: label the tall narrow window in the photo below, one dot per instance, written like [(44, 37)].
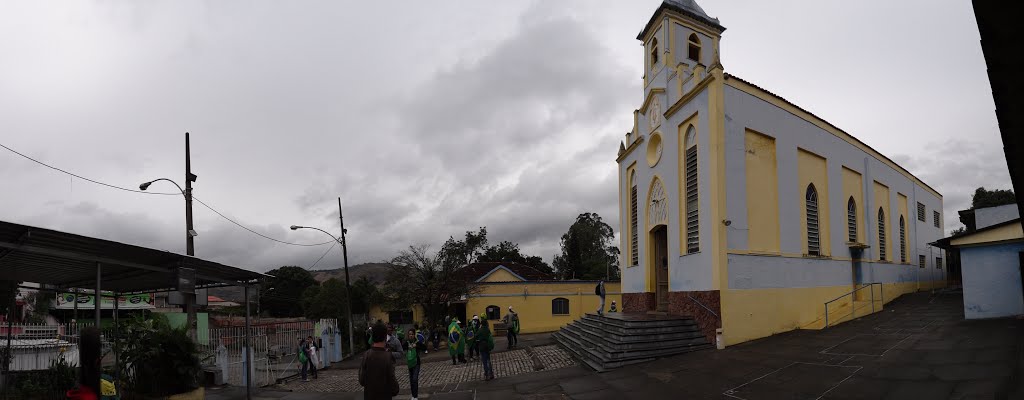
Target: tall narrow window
[(692, 220), (938, 262), (654, 53), (903, 240), (634, 247), (693, 48), (811, 203), (935, 218), (881, 234), (851, 220), (921, 260), (920, 212)]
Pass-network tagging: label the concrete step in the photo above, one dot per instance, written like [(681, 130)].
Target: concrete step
[(612, 345), (637, 331), (606, 353), (595, 357), (618, 336), (661, 322)]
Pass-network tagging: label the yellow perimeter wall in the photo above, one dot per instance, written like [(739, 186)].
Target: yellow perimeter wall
[(532, 301), (762, 179), (756, 313)]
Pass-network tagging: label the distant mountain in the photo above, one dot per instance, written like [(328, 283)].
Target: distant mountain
[(375, 272)]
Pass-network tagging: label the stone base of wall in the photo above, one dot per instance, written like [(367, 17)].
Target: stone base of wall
[(686, 304), (637, 302)]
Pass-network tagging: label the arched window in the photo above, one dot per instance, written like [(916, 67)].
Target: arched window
[(634, 248), (811, 204), (654, 52), (690, 183), (881, 234), (693, 48), (493, 312), (559, 306), (851, 220), (903, 240)]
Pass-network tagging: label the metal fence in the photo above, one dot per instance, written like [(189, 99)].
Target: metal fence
[(274, 350)]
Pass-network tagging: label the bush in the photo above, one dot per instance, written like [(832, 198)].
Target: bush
[(156, 359)]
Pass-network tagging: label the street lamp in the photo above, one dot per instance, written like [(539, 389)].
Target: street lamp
[(348, 286), (190, 233)]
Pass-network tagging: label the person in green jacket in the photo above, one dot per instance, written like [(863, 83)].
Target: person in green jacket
[(485, 343), (456, 342), (471, 342)]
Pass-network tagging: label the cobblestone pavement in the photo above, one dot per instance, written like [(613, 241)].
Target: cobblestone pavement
[(439, 373)]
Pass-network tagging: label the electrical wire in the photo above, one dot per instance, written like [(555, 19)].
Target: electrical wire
[(323, 255), (172, 194)]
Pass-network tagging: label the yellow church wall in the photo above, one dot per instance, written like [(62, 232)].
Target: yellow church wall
[(749, 314), (532, 301), (902, 256), (812, 169), (853, 186), (762, 178), (882, 200)]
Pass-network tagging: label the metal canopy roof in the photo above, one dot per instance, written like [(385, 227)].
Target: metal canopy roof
[(67, 260)]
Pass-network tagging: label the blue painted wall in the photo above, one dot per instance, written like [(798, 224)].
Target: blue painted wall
[(991, 279)]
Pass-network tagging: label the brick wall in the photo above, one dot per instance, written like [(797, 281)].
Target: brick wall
[(680, 303), (637, 302)]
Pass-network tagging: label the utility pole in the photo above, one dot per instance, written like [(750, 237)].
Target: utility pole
[(348, 286), (190, 298)]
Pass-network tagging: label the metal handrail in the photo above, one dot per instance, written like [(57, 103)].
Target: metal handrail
[(702, 305), (853, 307)]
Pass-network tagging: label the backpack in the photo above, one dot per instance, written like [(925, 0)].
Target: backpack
[(302, 355), (411, 357), (597, 289)]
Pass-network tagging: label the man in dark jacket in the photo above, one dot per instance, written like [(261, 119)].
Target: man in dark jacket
[(377, 371)]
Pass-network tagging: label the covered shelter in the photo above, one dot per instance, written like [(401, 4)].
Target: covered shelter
[(61, 261), (991, 265)]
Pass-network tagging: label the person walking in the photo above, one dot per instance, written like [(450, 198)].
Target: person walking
[(421, 337), (486, 343), (512, 327), (471, 342), (303, 357), (394, 344), (412, 347), (599, 291), (435, 336), (456, 342), (377, 369), (314, 358), (90, 350)]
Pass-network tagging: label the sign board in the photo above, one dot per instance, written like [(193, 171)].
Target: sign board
[(187, 280), (66, 301), (178, 298)]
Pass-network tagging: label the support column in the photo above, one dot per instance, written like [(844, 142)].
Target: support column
[(97, 294), (248, 347)]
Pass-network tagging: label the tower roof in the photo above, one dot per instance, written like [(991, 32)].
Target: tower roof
[(688, 8)]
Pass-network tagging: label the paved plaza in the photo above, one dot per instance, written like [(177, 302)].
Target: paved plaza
[(918, 348), (443, 373)]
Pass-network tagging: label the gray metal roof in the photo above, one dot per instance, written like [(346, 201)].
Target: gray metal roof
[(688, 8), (33, 254)]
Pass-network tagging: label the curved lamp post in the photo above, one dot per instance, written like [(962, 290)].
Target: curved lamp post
[(348, 286)]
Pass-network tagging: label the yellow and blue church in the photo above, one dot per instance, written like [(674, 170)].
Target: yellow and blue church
[(749, 213)]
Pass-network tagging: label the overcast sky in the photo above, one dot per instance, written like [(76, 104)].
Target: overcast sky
[(430, 118)]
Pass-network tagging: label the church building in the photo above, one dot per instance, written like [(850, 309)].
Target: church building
[(749, 213)]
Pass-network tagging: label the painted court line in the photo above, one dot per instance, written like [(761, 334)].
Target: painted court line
[(826, 351), (731, 392)]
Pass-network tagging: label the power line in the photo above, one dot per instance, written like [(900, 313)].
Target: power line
[(172, 194), (323, 255)]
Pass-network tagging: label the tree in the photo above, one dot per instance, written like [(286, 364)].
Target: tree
[(325, 301), (990, 198), (958, 231), (587, 251), (418, 277), (459, 253), (280, 294), (508, 251), (364, 295)]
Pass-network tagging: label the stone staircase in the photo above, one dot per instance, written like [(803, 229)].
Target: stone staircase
[(614, 340)]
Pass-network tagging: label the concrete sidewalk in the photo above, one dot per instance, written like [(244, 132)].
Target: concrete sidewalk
[(918, 348), (500, 345)]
